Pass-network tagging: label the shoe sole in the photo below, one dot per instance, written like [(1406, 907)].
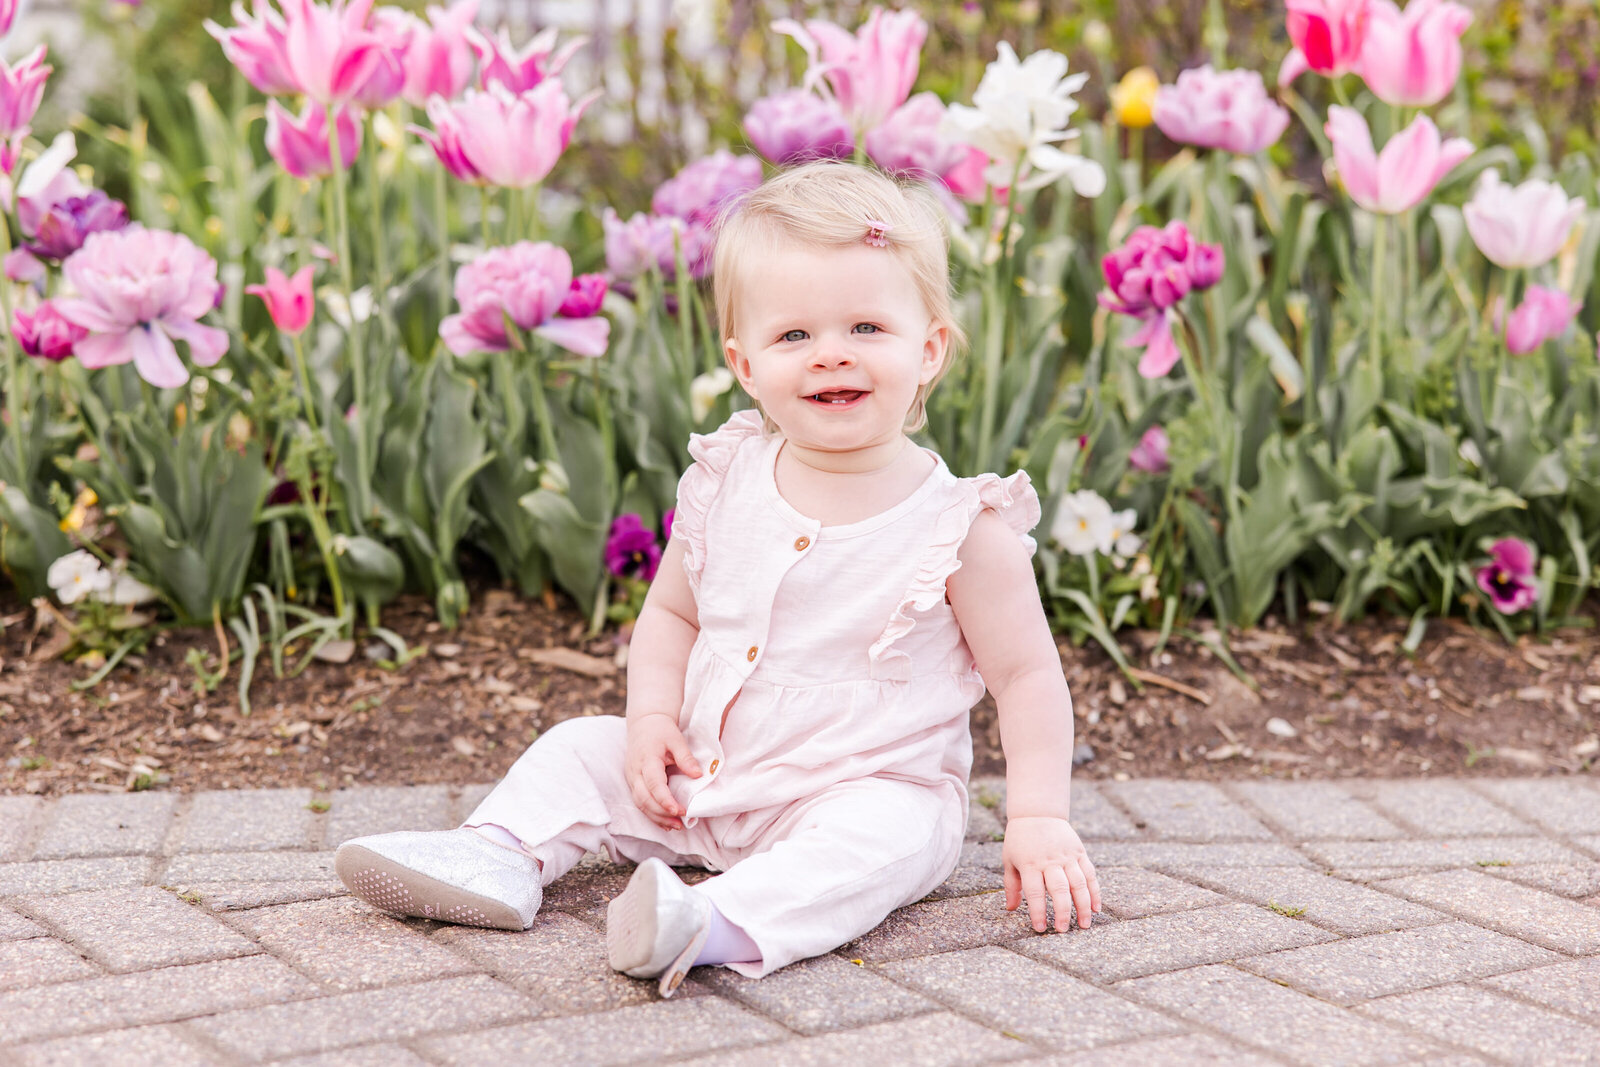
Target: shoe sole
[(631, 923), (399, 890)]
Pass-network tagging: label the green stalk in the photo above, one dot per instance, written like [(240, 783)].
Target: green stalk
[(994, 327), (363, 480), (483, 217), (513, 216), (441, 210), (380, 250), (1379, 305), (549, 450), (14, 369)]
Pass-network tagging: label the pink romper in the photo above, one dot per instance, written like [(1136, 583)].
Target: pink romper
[(836, 789)]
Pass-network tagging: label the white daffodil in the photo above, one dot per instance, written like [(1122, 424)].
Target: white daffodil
[(705, 389), (1083, 524), (77, 575), (1018, 114)]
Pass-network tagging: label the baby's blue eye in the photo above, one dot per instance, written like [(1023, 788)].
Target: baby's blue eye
[(866, 327), (795, 335)]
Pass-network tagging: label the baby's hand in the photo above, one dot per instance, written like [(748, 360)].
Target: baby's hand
[(1042, 855), (654, 742)]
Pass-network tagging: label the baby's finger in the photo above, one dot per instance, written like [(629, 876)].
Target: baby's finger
[(655, 778), (1080, 896), (1033, 890), (1013, 888), (678, 745), (1055, 880), (1094, 883)]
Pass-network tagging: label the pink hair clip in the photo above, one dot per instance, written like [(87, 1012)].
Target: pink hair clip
[(877, 233)]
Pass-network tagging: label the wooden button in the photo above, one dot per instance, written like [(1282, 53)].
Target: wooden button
[(802, 543), (751, 655), (714, 765)]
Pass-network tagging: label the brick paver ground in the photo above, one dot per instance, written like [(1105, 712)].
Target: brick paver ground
[(1436, 922)]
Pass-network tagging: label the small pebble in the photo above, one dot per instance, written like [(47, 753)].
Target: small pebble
[(1081, 754), (1280, 728)]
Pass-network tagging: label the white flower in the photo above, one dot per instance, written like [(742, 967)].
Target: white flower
[(1020, 110), (126, 589), (77, 575), (1469, 452), (1083, 524), (1124, 542), (705, 389)]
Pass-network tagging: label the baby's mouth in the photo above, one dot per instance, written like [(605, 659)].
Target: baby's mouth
[(837, 396)]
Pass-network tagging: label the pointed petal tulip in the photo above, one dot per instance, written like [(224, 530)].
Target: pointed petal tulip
[(445, 140), (1294, 65), (300, 142), (520, 69), (394, 29), (8, 13), (440, 59), (1328, 33), (871, 71), (1521, 226), (257, 46), (1413, 58), (21, 90), (289, 299), (511, 141), (1399, 178), (329, 52)]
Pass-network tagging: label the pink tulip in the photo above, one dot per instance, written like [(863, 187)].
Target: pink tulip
[(289, 300), (61, 230), (439, 61), (1150, 454), (646, 241), (498, 138), (138, 291), (527, 283), (871, 71), (258, 47), (1543, 315), (584, 297), (1509, 579), (330, 52), (698, 192), (1398, 178), (8, 12), (519, 71), (1327, 36), (394, 28), (1412, 58), (796, 125), (23, 266), (21, 89), (44, 333), (910, 142), (1521, 226), (1226, 109), (300, 143)]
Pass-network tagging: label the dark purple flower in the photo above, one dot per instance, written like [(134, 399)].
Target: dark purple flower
[(65, 224), (584, 297), (631, 550), (697, 192), (1508, 579), (44, 333)]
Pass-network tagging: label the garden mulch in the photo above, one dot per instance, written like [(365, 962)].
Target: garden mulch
[(1324, 701)]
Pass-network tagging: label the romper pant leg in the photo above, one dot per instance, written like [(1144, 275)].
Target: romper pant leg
[(567, 795), (835, 865)]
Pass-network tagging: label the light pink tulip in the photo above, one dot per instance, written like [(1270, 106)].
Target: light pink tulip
[(520, 70), (1226, 109), (1413, 58), (1520, 226), (330, 52), (493, 137), (1327, 36), (394, 28), (439, 61), (1543, 315), (21, 89), (698, 192), (257, 46), (871, 71), (300, 143), (23, 266), (793, 126), (289, 300), (910, 142), (1150, 454), (528, 283), (1398, 178), (138, 291)]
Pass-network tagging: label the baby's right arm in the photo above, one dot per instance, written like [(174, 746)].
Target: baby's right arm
[(658, 658)]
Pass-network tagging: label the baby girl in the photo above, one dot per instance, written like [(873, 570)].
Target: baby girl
[(832, 603)]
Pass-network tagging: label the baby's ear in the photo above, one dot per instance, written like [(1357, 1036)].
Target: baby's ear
[(935, 350), (739, 363)]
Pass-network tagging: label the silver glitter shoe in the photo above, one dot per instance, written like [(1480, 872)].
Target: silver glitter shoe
[(656, 926), (454, 876)]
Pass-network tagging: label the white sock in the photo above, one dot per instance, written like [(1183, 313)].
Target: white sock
[(727, 943)]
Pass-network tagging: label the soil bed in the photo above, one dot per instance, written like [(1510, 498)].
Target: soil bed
[(1349, 702)]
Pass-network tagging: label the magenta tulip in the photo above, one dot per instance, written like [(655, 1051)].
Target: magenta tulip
[(21, 89), (289, 299), (871, 71), (439, 61), (1150, 454), (528, 283), (300, 143), (138, 291), (520, 70), (698, 192), (794, 126), (257, 46), (1509, 578), (64, 226), (1406, 171), (1150, 273), (1543, 315), (910, 142), (44, 333), (1413, 58), (330, 53), (8, 13), (498, 138), (1226, 109), (394, 28), (1521, 226), (1327, 35), (584, 297)]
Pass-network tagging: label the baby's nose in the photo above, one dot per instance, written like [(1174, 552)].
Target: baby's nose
[(832, 354)]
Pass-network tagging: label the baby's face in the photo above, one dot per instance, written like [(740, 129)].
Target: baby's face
[(833, 342)]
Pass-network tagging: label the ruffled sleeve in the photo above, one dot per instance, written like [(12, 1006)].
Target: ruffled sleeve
[(1013, 499), (713, 454)]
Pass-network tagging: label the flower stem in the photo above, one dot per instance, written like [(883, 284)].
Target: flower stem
[(380, 249), (1379, 305), (15, 369), (550, 451), (441, 211), (362, 482)]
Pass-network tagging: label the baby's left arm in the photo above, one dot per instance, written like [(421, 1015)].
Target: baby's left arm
[(996, 601)]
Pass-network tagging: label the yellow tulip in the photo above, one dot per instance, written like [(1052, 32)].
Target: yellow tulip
[(1134, 97)]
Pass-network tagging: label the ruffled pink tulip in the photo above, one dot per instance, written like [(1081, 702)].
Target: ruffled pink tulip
[(698, 192), (794, 126), (1413, 58), (910, 142), (1327, 36), (330, 52), (1226, 109), (1509, 580), (1150, 454), (21, 89), (494, 137), (1520, 226), (871, 71), (394, 28), (138, 291), (520, 70), (289, 300), (300, 142), (1398, 178), (440, 59), (44, 333), (584, 298), (258, 47), (1543, 315), (646, 241), (1150, 273), (527, 282)]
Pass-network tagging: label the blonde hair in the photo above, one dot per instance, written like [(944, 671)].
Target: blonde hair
[(829, 204)]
